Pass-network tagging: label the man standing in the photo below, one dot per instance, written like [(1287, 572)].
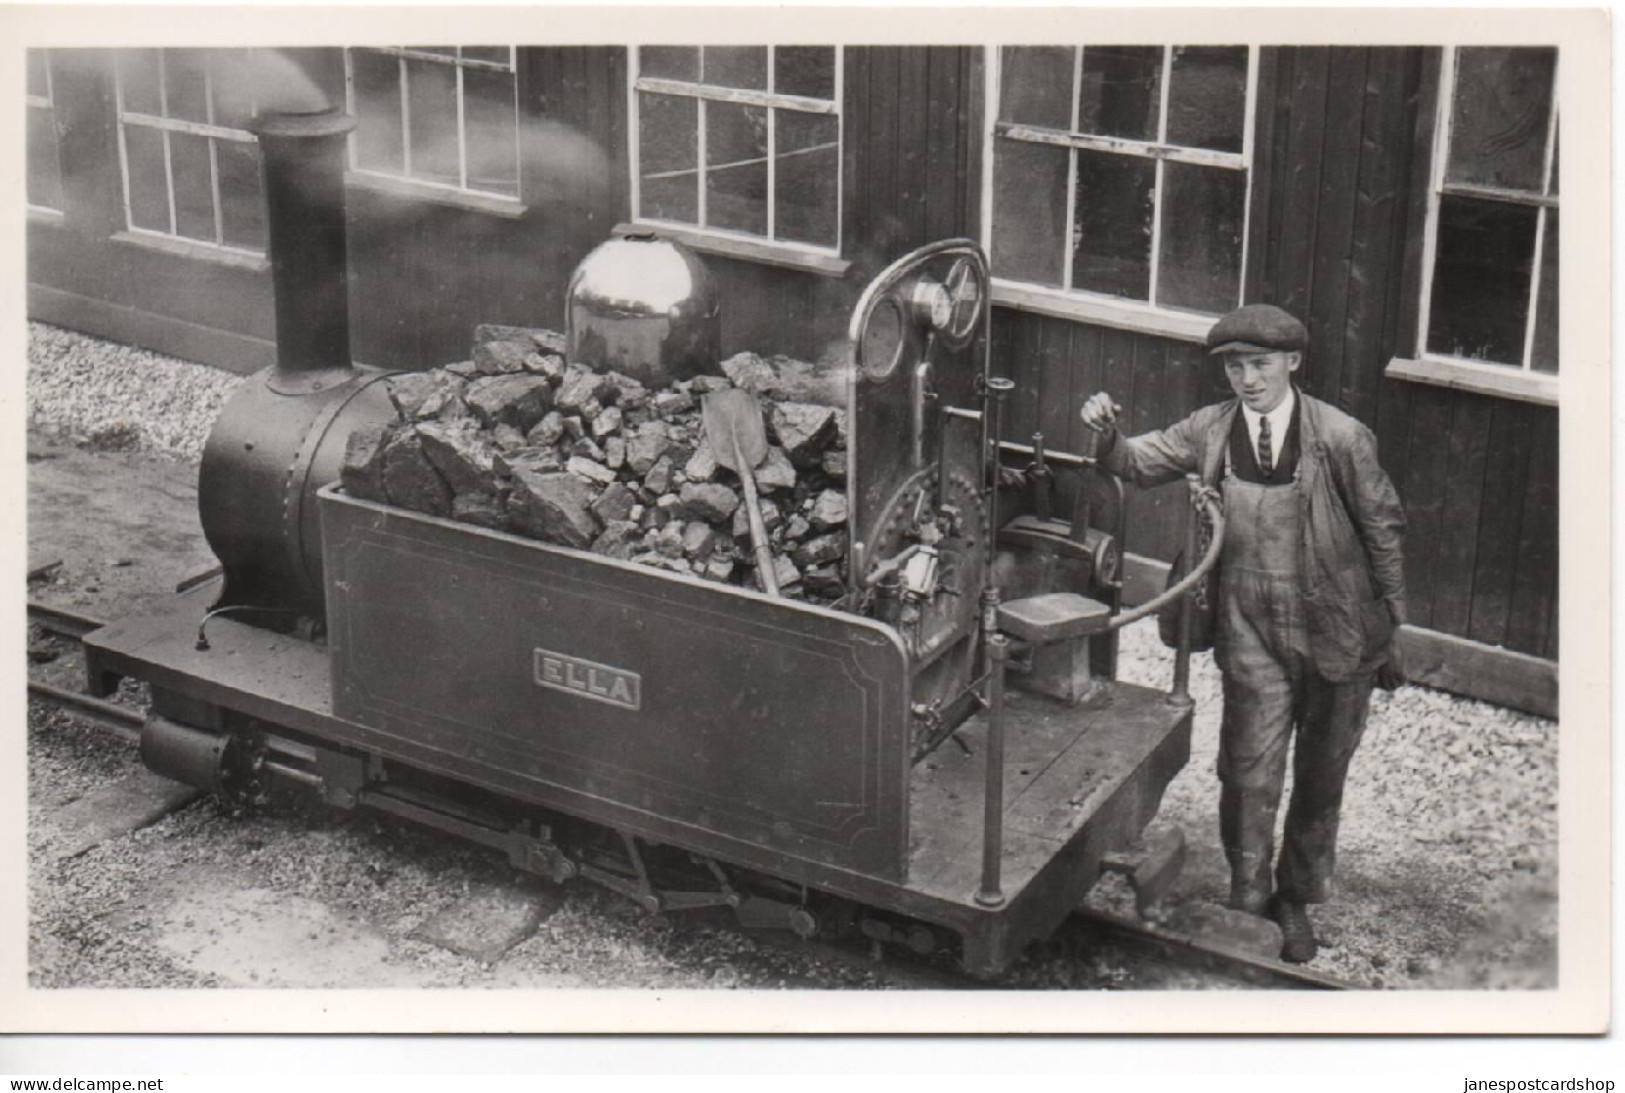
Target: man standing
[(1311, 591)]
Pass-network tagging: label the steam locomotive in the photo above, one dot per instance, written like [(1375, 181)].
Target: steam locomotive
[(824, 769)]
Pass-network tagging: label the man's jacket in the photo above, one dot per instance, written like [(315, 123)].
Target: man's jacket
[(1351, 562)]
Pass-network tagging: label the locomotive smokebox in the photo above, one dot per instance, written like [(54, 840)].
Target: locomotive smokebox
[(645, 307), (281, 437)]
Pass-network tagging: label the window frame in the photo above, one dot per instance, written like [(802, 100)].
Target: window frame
[(727, 242), (1521, 382), (405, 183), (172, 240), (46, 103), (1098, 308)]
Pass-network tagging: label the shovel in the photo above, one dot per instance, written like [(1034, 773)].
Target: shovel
[(733, 425)]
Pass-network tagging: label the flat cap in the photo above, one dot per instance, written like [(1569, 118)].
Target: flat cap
[(1257, 328)]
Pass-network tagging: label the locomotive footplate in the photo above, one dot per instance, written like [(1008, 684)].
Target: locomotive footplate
[(788, 756)]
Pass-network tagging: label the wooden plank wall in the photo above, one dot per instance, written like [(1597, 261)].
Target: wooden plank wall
[(1478, 475), (1057, 364)]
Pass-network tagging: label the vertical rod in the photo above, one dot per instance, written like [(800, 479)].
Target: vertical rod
[(990, 893), (1187, 602)]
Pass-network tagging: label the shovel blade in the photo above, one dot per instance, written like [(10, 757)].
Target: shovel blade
[(734, 417)]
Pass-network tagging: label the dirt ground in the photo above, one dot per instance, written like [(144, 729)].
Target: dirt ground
[(1448, 867)]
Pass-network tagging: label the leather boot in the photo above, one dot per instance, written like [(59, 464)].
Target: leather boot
[(1245, 895), (1298, 945)]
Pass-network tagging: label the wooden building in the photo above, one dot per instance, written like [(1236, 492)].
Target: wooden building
[(1402, 201)]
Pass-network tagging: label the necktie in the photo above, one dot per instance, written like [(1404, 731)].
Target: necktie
[(1266, 458)]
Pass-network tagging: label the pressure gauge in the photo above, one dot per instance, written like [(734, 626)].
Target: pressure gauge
[(930, 304)]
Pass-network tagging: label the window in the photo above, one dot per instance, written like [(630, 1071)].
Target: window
[(444, 117), (740, 141), (44, 166), (191, 167), (1489, 307), (1119, 175)]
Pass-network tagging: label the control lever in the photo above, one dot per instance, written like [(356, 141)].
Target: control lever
[(1042, 478)]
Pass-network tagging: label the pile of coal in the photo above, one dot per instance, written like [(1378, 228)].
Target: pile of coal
[(518, 439)]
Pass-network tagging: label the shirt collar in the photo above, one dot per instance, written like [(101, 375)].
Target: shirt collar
[(1280, 417)]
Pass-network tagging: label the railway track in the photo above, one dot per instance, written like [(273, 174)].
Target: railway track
[(902, 971)]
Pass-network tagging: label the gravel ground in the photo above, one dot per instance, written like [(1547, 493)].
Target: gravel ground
[(115, 397), (1447, 866)]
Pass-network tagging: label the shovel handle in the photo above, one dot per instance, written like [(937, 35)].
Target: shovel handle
[(758, 531)]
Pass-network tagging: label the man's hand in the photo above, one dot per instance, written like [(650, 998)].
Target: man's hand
[(1100, 413), (1391, 676), (1011, 477)]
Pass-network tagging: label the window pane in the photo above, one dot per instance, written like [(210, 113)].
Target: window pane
[(808, 181), (1200, 263), (232, 80), (1119, 92), (38, 84), (1481, 280), (491, 128), (242, 203), (1036, 86), (44, 169), (187, 94), (1208, 97), (736, 167), (735, 66), (668, 159), (1543, 357), (194, 186), (149, 189), (670, 62), (1029, 211), (1112, 236), (1498, 120), (377, 86), (805, 70), (138, 80), (431, 103), (500, 55)]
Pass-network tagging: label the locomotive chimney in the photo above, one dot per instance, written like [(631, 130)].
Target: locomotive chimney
[(281, 436), (303, 155)]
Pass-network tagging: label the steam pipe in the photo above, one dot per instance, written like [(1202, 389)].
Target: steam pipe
[(1215, 513)]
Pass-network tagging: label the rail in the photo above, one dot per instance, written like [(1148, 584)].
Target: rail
[(61, 621)]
